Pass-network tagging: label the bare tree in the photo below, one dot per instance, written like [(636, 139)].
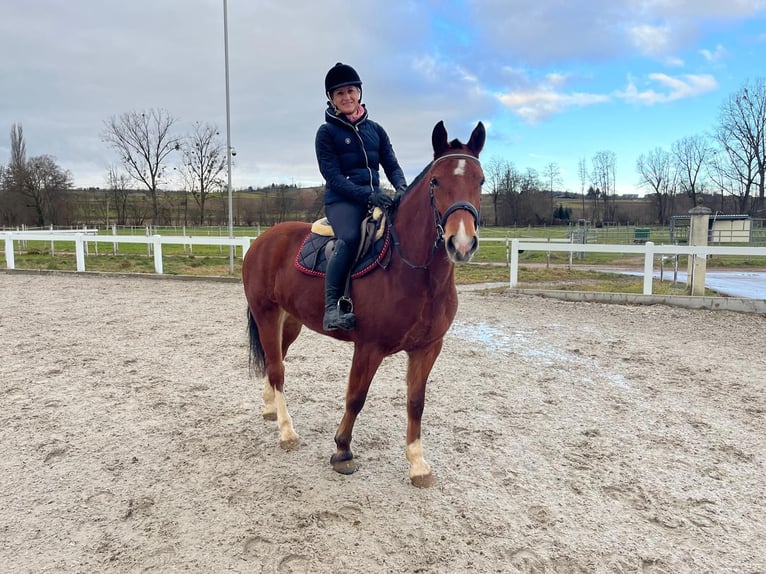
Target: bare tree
[(552, 174), (742, 135), (118, 184), (38, 184), (18, 148), (44, 184), (494, 172), (594, 193), (690, 155), (6, 207), (143, 142), (16, 173), (603, 177), (204, 159), (582, 171), (733, 175), (657, 172)]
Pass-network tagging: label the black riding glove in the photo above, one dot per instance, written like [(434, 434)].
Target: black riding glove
[(382, 201), (400, 191)]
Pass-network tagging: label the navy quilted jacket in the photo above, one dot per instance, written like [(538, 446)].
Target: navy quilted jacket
[(350, 156)]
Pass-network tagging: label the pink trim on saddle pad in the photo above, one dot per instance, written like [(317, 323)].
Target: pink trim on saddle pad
[(356, 274)]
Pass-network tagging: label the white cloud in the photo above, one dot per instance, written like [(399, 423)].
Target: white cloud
[(714, 55), (650, 40), (541, 103), (544, 32), (674, 62), (673, 88), (556, 79)]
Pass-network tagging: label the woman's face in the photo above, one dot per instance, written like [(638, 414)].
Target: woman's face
[(346, 99)]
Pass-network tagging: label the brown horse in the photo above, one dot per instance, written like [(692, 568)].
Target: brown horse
[(409, 306)]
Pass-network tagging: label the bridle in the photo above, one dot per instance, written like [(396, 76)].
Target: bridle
[(440, 220)]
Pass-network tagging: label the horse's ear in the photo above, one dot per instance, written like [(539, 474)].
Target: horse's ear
[(478, 136), (439, 139)]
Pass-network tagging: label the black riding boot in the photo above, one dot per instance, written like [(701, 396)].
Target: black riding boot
[(338, 268)]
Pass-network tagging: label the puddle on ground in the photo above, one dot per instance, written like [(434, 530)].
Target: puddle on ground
[(531, 348)]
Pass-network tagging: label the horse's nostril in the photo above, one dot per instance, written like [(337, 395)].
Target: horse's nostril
[(460, 252)]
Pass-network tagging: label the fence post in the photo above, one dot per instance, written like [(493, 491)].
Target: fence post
[(514, 280), (698, 235), (79, 251), (648, 267), (245, 245), (10, 262), (157, 243)]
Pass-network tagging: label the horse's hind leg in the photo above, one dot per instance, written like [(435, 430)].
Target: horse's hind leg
[(269, 411), (290, 331), (277, 334)]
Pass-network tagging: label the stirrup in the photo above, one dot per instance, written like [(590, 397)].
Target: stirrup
[(345, 306)]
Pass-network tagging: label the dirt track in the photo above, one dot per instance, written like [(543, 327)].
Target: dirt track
[(565, 437)]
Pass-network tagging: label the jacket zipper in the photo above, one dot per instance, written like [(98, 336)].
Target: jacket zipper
[(366, 159), (355, 129)]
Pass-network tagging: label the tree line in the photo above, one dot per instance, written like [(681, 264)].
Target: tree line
[(37, 191), (729, 162)]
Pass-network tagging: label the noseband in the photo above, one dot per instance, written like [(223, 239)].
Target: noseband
[(440, 220)]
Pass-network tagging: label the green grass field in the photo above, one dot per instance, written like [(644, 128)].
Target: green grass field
[(536, 268)]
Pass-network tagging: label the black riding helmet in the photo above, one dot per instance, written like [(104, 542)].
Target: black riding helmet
[(341, 75)]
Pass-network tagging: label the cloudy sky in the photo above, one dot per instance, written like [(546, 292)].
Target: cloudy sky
[(553, 80)]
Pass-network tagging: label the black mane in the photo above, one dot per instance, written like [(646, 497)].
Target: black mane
[(419, 177)]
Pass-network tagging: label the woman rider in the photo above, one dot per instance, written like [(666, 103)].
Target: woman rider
[(350, 149)]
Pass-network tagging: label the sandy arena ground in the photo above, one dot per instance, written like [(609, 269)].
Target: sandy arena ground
[(564, 437)]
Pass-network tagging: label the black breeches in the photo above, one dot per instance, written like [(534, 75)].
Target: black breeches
[(346, 220)]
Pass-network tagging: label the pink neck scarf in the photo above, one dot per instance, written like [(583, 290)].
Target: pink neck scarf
[(356, 115)]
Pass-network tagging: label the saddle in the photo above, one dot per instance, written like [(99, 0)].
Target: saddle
[(373, 249)]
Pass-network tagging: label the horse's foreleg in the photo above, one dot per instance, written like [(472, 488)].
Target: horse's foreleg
[(419, 367), (363, 367)]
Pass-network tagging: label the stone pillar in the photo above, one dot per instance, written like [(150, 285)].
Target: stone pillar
[(698, 235)]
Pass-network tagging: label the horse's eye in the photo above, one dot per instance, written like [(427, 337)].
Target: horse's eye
[(434, 182), (481, 183)]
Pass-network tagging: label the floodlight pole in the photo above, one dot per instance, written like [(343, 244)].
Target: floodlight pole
[(228, 133)]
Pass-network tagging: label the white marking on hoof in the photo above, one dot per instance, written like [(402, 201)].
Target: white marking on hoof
[(269, 411), (288, 438), (420, 470)]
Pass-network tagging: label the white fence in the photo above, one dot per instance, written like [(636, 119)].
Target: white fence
[(648, 249), (82, 239), (513, 247)]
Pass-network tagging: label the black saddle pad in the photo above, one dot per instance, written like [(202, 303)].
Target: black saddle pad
[(315, 250)]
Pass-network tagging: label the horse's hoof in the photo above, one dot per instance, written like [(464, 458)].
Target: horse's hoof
[(292, 443), (345, 466), (422, 481)]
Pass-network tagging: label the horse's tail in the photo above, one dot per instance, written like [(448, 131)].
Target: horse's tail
[(257, 361)]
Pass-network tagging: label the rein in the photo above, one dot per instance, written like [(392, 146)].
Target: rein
[(439, 220)]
